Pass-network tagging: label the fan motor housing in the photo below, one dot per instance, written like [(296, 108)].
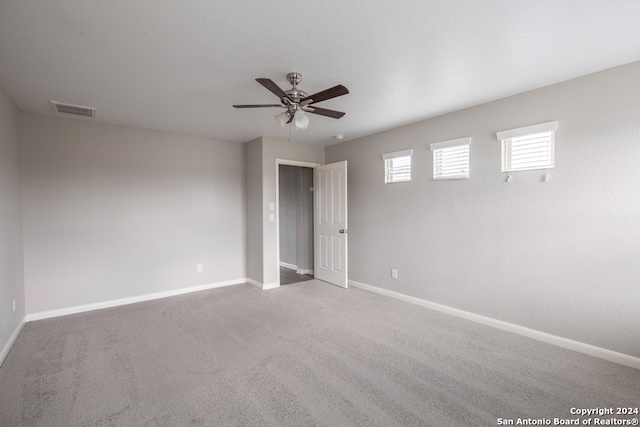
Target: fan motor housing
[(296, 94)]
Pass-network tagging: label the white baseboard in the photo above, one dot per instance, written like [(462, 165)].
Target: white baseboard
[(289, 266), (295, 267), (254, 283), (263, 286), (124, 301), (12, 339), (580, 347)]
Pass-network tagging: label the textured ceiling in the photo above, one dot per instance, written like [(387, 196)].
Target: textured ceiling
[(178, 66)]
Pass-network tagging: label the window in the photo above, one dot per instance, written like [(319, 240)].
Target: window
[(451, 159), (528, 148), (397, 166)]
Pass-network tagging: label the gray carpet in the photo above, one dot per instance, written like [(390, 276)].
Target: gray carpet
[(301, 355)]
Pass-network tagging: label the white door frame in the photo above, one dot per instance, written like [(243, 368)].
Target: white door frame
[(277, 203)]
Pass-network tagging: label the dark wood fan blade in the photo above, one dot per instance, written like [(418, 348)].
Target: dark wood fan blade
[(258, 106), (332, 92), (329, 113), (272, 87)]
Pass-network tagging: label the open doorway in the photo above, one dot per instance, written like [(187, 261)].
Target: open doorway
[(295, 223)]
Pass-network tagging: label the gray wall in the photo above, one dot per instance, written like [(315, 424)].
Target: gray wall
[(262, 154), (561, 257), (11, 250), (288, 213), (296, 217), (253, 156), (112, 212), (304, 246)]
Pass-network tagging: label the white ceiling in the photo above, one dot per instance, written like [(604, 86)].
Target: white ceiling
[(178, 66)]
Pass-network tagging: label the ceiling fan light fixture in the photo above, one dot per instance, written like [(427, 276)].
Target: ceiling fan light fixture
[(298, 102), (282, 118), (301, 120)]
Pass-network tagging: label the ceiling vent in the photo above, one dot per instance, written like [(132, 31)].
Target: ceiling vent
[(76, 110)]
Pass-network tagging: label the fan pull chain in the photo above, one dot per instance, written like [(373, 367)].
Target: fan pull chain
[(289, 132)]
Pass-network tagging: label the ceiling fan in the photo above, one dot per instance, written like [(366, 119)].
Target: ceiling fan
[(298, 102)]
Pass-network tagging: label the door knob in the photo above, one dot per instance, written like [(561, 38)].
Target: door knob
[(343, 231)]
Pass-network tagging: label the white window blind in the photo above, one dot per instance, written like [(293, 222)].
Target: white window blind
[(397, 166), (451, 159), (528, 148)]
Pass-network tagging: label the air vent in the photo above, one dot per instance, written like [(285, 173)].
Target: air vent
[(76, 110)]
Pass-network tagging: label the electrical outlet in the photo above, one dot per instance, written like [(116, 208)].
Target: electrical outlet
[(394, 273), (14, 305), (199, 268)]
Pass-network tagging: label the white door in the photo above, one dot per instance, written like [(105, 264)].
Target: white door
[(330, 219)]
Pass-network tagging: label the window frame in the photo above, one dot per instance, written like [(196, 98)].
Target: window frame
[(394, 175), (440, 151), (528, 133)]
